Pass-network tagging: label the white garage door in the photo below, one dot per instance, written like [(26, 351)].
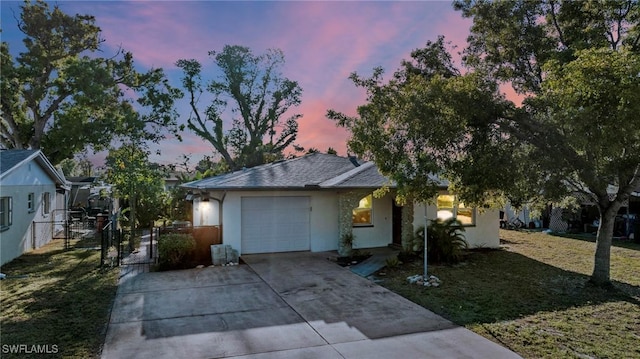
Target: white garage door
[(275, 224)]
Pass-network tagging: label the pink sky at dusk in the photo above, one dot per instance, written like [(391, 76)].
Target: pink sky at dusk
[(323, 42)]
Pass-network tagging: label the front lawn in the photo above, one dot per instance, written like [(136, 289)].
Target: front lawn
[(531, 296), (57, 301)]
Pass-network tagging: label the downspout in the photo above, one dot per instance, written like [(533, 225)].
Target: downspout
[(67, 230), (220, 203)]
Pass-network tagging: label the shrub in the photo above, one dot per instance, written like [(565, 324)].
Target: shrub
[(392, 262), (445, 241), (174, 250)]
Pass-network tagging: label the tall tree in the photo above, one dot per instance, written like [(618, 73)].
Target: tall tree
[(576, 63), (60, 97), (591, 118), (251, 99), (423, 122), (137, 180)]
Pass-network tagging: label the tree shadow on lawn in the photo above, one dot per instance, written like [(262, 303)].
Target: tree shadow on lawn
[(59, 297), (495, 286)]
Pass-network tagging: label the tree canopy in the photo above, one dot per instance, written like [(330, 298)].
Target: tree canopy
[(138, 181), (76, 168), (513, 40), (427, 122), (60, 97), (247, 120), (577, 130)]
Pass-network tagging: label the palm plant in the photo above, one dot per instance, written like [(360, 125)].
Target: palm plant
[(445, 241)]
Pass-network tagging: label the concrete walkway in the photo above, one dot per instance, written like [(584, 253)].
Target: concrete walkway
[(374, 263), (293, 305), (139, 261)]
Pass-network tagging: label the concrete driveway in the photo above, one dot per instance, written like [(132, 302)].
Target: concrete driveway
[(289, 305)]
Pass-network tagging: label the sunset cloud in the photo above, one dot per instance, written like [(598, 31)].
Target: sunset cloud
[(323, 42)]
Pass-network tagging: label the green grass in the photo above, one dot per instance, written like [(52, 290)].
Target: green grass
[(532, 296), (57, 297)]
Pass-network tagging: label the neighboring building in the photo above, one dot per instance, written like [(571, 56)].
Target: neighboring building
[(33, 197), (583, 219), (80, 191), (587, 219), (308, 203), (171, 181), (88, 198)]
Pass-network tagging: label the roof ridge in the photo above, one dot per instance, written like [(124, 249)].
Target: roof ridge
[(280, 162), (307, 170), (346, 175), (246, 171)]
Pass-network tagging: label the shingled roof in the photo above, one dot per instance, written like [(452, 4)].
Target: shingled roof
[(12, 159), (317, 170)]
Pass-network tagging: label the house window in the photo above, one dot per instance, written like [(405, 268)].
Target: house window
[(450, 207), (46, 203), (363, 214), (6, 213), (31, 202)]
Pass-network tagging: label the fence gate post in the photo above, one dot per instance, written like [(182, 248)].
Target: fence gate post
[(118, 234), (103, 249), (151, 241), (67, 234)]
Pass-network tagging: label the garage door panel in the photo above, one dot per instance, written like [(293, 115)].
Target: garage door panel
[(275, 224)]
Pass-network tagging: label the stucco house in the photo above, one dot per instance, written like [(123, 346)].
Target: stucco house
[(309, 203), (33, 197)]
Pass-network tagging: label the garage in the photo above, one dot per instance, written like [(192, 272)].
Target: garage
[(275, 224)]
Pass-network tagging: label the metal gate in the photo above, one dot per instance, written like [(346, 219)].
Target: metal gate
[(42, 232), (126, 247)]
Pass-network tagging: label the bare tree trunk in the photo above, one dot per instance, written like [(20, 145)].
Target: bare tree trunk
[(602, 261)]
